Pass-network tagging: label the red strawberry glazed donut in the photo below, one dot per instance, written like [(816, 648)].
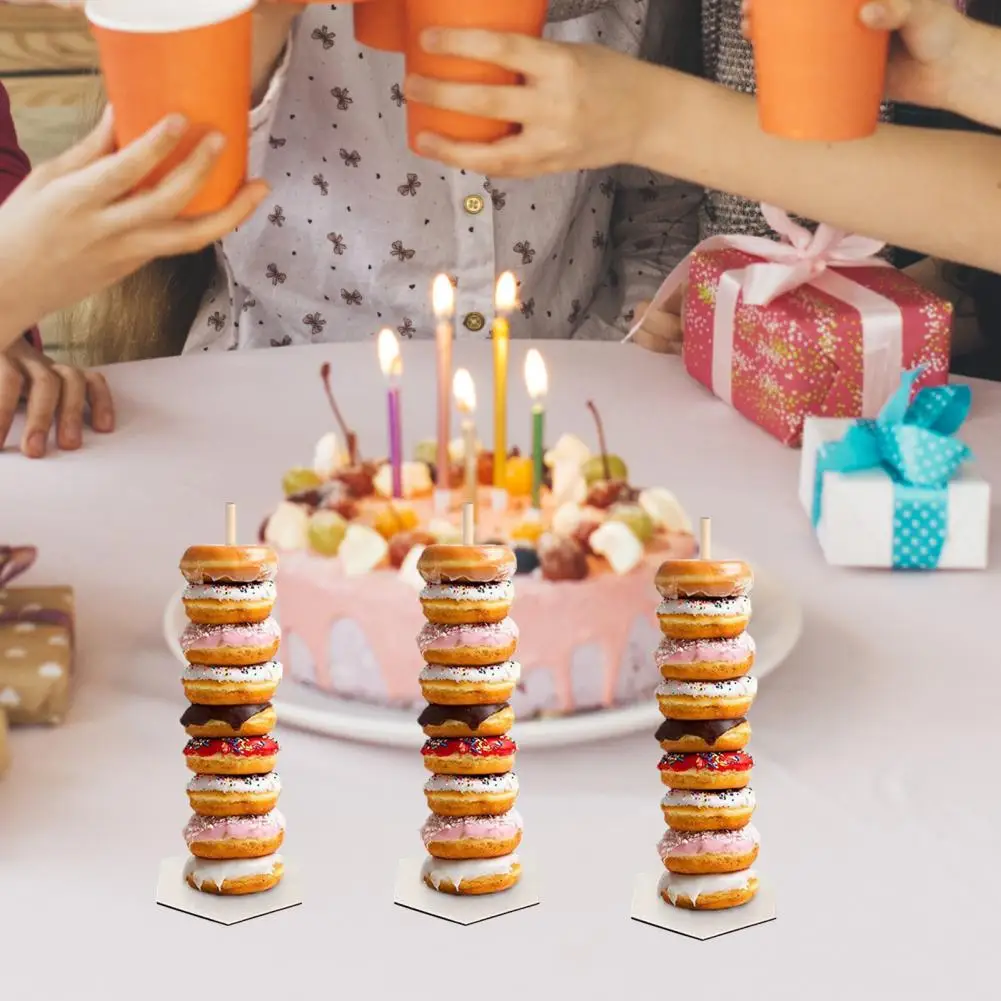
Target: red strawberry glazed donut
[(231, 755), (469, 755), (709, 770)]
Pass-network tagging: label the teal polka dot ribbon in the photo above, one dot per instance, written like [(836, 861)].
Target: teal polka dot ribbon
[(914, 443)]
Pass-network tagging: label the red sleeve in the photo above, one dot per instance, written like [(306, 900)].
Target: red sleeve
[(14, 168), (14, 165)]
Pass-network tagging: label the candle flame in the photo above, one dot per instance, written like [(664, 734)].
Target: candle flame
[(443, 297), (389, 354), (506, 296), (536, 376), (464, 391)]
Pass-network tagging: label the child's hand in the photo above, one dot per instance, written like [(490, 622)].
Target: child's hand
[(76, 225), (580, 107), (53, 394), (925, 51), (662, 327)]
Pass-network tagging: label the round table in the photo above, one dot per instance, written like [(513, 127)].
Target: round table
[(875, 815)]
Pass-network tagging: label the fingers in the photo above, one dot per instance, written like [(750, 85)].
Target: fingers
[(886, 15), (519, 53), (113, 177), (99, 143), (44, 392), (661, 332), (515, 156), (102, 404), (185, 236), (72, 404), (505, 104), (11, 384), (173, 193)]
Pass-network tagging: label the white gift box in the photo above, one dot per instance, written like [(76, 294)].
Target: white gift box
[(857, 516)]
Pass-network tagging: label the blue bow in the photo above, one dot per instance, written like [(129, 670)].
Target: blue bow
[(913, 443)]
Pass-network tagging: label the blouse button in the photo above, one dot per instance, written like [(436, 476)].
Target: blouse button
[(473, 204), (474, 321)]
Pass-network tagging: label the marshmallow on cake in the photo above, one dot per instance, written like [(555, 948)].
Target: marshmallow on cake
[(468, 644), (704, 659)]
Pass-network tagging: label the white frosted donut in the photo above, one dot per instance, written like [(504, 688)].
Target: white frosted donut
[(270, 670), (725, 607), (743, 687), (263, 590), (509, 671), (502, 590), (437, 870), (505, 782), (676, 885), (720, 799)]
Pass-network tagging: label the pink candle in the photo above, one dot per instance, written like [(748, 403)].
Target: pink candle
[(443, 300), (392, 369)]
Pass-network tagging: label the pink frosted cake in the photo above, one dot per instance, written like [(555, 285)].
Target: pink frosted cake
[(348, 585)]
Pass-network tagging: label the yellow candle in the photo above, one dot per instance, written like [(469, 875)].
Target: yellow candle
[(504, 301)]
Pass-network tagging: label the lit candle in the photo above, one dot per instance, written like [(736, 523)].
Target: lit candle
[(443, 302), (504, 301), (392, 368), (537, 382), (465, 402)]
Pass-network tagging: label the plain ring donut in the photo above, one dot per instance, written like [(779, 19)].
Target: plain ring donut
[(229, 564), (441, 564), (704, 579)]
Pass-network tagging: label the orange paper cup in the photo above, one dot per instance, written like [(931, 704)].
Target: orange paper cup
[(821, 73), (381, 24), (189, 57), (523, 17)]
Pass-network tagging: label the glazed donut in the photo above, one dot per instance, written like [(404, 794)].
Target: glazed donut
[(231, 877), (471, 795), (483, 836), (469, 755), (701, 852), (466, 564), (234, 795), (707, 699), (214, 604), (229, 721), (231, 755), (468, 646), (710, 770), (466, 721), (469, 686), (466, 877), (715, 892), (231, 686), (467, 604), (231, 645), (717, 810), (249, 836), (705, 660), (229, 564), (704, 734), (704, 618), (704, 579)]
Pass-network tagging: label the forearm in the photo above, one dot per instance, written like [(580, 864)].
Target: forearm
[(909, 187), (974, 91)]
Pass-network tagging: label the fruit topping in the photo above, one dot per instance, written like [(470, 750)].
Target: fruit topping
[(325, 532), (562, 558), (618, 544)]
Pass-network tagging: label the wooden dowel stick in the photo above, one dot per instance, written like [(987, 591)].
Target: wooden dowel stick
[(468, 525), (705, 538), (230, 524)]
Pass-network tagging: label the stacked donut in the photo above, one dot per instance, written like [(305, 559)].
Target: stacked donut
[(704, 660), (235, 830), (467, 644)]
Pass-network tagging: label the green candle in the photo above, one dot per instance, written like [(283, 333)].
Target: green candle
[(537, 382)]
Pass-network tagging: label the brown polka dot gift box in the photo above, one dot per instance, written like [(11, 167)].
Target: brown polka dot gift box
[(36, 643), (812, 324)]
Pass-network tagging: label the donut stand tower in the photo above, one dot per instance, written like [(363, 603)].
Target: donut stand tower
[(471, 871), (235, 831), (708, 886)]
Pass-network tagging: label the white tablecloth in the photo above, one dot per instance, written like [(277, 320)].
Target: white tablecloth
[(875, 742)]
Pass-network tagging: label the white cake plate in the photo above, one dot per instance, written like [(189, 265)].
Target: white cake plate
[(776, 626)]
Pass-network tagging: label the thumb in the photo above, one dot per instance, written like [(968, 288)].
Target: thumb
[(887, 15)]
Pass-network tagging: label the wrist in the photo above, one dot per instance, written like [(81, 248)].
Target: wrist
[(969, 67), (657, 90)]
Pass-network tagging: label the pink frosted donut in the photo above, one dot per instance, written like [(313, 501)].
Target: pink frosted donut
[(235, 837), (472, 837), (703, 852), (468, 645), (231, 645), (705, 659)]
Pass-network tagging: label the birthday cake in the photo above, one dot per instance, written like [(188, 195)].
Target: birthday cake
[(587, 555)]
